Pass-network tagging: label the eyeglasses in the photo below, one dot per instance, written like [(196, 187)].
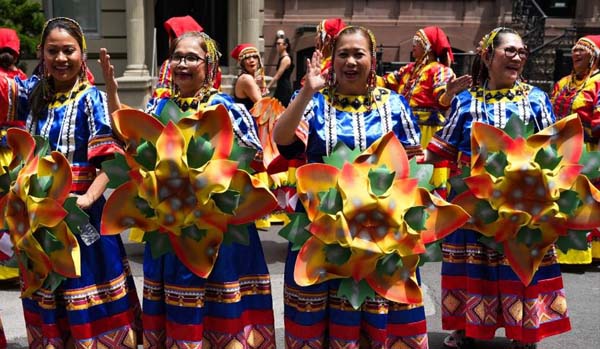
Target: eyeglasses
[(187, 59), (511, 52)]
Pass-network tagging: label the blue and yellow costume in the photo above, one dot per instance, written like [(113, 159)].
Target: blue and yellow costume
[(315, 316), (233, 306), (101, 307), (480, 291)]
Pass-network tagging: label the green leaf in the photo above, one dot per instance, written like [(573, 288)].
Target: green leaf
[(76, 218), (5, 183), (53, 281), (330, 201), (244, 157), (575, 240), (228, 201), (421, 172), (529, 236), (159, 243), (547, 158), (42, 147), (199, 152), (170, 112), (485, 212), (193, 232), (237, 234), (143, 206), (48, 241), (336, 254), (416, 217), (591, 163), (568, 202), (14, 173), (515, 127), (433, 253), (355, 292), (389, 264), (12, 262), (295, 231), (146, 155), (117, 170), (38, 186), (496, 163), (340, 155), (492, 243), (381, 179)]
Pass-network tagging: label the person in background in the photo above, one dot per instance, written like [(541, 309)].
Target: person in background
[(233, 306), (247, 90), (10, 46), (284, 69), (480, 291), (579, 92), (429, 84), (100, 308), (175, 27), (9, 55), (315, 316)]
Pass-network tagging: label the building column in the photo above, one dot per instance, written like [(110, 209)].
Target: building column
[(250, 20), (135, 86)]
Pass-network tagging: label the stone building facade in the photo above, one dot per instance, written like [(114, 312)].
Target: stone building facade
[(132, 29)]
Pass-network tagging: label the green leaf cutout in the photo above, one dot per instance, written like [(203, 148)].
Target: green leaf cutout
[(237, 234), (244, 157), (433, 253), (389, 264), (53, 281), (492, 243), (568, 202), (193, 232), (485, 212), (381, 179), (146, 155), (117, 170), (228, 201), (496, 163), (515, 127), (336, 254), (295, 231), (199, 152), (575, 240), (76, 218), (591, 163), (340, 155), (355, 292), (330, 201), (159, 243), (416, 217), (529, 236), (422, 172), (38, 186), (547, 158)]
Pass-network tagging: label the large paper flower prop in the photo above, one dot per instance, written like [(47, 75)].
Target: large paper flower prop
[(179, 185), (367, 221), (525, 190), (39, 214)]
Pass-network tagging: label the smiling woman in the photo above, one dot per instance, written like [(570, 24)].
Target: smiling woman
[(345, 106), (61, 106), (474, 273)]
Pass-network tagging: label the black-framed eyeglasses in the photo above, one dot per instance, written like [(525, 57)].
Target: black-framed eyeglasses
[(189, 59), (511, 52)]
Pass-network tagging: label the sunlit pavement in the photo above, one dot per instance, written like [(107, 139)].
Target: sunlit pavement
[(582, 287)]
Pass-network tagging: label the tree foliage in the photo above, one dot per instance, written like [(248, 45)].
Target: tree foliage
[(27, 18)]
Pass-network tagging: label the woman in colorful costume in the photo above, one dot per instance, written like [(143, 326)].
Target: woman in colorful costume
[(175, 27), (99, 308), (9, 54), (233, 305), (579, 92), (480, 291), (250, 85), (429, 84), (314, 315), (10, 47)]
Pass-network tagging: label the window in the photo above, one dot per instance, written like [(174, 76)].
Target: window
[(86, 12)]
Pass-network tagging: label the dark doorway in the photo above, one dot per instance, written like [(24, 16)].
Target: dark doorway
[(211, 15), (301, 57)]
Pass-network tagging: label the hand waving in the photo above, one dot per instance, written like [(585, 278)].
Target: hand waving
[(314, 80)]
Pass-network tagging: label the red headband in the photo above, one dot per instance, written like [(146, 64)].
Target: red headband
[(10, 39)]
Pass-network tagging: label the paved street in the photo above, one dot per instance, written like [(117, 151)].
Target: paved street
[(583, 293)]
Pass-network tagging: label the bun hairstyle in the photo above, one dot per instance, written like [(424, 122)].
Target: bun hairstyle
[(487, 45)]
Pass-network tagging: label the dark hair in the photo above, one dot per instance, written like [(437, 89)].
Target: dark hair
[(7, 58), (286, 41), (42, 92), (479, 71)]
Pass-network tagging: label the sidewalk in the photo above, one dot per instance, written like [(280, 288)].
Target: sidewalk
[(583, 295)]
